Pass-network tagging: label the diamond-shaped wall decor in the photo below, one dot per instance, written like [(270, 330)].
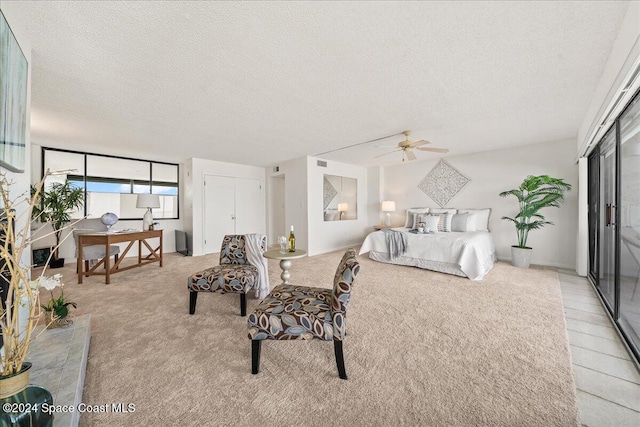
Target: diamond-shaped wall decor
[(443, 182)]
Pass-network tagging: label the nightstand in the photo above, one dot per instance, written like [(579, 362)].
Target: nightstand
[(380, 227)]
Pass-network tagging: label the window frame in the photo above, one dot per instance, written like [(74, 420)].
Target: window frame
[(86, 178)]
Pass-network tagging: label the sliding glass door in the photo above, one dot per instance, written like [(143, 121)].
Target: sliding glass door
[(594, 200), (607, 220), (614, 222), (629, 294)]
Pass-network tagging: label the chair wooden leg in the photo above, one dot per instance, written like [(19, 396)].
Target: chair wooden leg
[(337, 347), (243, 304), (193, 297), (255, 356)]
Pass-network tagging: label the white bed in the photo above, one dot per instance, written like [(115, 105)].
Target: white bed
[(468, 254)]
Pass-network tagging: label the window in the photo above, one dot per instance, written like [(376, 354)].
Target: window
[(112, 183)]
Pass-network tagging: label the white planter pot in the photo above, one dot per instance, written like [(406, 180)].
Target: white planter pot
[(520, 257)]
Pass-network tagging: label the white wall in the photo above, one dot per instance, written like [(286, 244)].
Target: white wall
[(294, 173), (194, 202), (625, 52), (277, 208), (492, 172), (326, 236), (375, 183)]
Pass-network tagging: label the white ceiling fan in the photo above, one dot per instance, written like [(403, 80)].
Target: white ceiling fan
[(407, 146)]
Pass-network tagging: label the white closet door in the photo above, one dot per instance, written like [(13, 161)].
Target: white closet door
[(249, 210), (219, 207)]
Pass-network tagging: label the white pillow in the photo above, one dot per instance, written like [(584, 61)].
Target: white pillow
[(443, 210), (410, 220), (444, 221), (464, 222), (431, 222), (482, 220)]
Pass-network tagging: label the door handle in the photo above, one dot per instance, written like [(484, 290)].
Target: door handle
[(610, 215), (233, 216)]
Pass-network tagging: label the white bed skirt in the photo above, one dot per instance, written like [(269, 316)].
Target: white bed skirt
[(441, 267), (469, 254)]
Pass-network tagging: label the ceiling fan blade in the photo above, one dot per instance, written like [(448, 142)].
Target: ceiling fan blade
[(410, 155), (421, 142), (434, 149), (386, 146), (381, 155)]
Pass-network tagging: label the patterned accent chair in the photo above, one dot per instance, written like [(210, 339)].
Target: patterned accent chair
[(293, 312), (233, 275)]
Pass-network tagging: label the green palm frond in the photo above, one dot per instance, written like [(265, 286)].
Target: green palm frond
[(535, 193)]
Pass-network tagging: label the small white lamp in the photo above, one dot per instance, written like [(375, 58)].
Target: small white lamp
[(147, 201), (388, 206), (342, 208)]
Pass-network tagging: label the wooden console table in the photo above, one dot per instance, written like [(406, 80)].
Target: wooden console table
[(108, 239)]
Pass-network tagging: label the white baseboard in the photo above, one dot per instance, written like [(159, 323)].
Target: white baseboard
[(546, 264)]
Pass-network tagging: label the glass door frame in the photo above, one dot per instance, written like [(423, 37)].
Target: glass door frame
[(614, 312)]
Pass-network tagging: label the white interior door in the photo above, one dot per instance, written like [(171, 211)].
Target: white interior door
[(249, 210), (219, 207)]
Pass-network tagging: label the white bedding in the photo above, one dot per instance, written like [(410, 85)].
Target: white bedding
[(470, 254)]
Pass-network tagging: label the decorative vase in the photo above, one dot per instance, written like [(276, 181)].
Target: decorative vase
[(25, 408), (109, 219), (57, 322), (520, 257), (15, 383)]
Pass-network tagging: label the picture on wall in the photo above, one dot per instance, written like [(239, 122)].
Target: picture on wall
[(13, 100)]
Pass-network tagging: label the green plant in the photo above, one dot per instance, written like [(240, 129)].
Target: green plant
[(53, 206), (534, 194), (59, 305)]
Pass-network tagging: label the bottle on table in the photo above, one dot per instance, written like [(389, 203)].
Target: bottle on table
[(292, 241)]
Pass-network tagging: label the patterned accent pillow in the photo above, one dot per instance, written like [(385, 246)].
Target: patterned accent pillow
[(444, 223), (411, 216), (417, 219), (431, 222)]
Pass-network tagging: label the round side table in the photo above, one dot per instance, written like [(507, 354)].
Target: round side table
[(285, 261)]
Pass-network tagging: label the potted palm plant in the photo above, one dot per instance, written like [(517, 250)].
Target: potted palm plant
[(53, 206), (534, 194)]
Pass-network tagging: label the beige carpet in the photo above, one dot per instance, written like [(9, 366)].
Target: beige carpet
[(422, 348)]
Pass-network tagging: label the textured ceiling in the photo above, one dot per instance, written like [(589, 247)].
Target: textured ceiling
[(263, 82)]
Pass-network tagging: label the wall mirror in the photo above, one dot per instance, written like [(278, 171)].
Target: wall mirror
[(340, 196)]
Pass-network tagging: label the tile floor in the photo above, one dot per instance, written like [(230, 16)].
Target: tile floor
[(607, 381), (59, 358)]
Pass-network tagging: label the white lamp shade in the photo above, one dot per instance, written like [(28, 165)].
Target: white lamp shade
[(388, 206), (343, 207), (148, 201)]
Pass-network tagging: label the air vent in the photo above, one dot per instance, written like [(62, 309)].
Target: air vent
[(276, 168), (322, 163)]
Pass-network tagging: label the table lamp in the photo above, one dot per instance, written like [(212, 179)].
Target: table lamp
[(147, 201), (388, 206), (342, 208)]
